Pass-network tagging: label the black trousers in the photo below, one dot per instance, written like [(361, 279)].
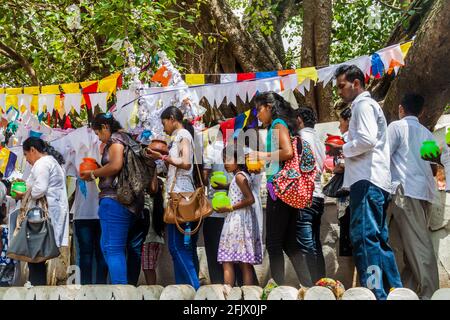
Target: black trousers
[(37, 274), (212, 228), (281, 230)]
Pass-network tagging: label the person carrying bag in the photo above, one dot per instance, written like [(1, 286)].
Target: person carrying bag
[(34, 239)]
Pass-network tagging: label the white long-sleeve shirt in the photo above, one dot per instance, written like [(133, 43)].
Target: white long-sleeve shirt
[(318, 148), (47, 178), (407, 167), (366, 153)]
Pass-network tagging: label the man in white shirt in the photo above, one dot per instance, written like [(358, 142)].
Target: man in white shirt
[(367, 174), (413, 189), (308, 220)]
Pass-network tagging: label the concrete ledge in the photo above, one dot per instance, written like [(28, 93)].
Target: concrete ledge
[(178, 292), (150, 292), (283, 293), (441, 294), (319, 293), (402, 294), (252, 292), (359, 293)]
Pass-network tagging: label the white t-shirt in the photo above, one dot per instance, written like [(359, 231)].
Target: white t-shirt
[(85, 208)]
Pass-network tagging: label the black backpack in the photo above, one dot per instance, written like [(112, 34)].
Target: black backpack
[(136, 172)]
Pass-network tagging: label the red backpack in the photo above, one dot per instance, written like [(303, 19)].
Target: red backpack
[(294, 184)]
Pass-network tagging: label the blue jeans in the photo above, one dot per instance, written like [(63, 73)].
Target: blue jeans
[(136, 237), (115, 220), (372, 254), (308, 237), (185, 259), (88, 234)]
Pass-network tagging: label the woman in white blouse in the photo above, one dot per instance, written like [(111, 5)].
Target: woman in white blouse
[(47, 179)]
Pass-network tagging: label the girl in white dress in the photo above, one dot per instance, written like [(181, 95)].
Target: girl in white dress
[(240, 241)]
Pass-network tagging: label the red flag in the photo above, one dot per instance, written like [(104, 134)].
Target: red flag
[(89, 89), (227, 128), (67, 123), (246, 76)]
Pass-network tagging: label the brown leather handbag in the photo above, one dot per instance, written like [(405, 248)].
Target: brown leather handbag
[(185, 207)]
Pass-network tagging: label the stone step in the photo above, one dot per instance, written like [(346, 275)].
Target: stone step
[(283, 293), (319, 293), (178, 292), (358, 293), (252, 292), (150, 292), (402, 294), (441, 294)]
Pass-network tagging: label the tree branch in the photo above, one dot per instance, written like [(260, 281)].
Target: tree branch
[(12, 54)]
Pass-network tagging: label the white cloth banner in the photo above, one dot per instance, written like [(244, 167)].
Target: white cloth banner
[(391, 53), (99, 99), (72, 100), (47, 100), (228, 77), (124, 97), (25, 100), (3, 101)]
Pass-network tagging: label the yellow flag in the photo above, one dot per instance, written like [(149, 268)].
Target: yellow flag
[(195, 79), (58, 106), (71, 87), (108, 85), (12, 101), (35, 104), (405, 48), (305, 73), (13, 91), (2, 90), (85, 84), (247, 115), (112, 76), (52, 89), (31, 90)]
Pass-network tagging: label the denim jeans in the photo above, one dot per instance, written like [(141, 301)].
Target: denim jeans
[(88, 233), (308, 237), (374, 258), (115, 220), (281, 236), (184, 257), (136, 237)]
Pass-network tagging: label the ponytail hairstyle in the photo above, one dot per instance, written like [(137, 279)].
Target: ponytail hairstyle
[(43, 147), (176, 114), (106, 119), (281, 109)]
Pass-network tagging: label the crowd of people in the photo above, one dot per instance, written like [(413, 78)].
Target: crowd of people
[(380, 165)]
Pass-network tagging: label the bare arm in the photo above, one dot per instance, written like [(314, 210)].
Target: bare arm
[(115, 163), (285, 151), (184, 161)]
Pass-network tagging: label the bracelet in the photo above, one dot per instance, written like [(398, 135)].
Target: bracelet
[(93, 177)]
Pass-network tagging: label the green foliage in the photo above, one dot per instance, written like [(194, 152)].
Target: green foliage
[(46, 33), (360, 27)]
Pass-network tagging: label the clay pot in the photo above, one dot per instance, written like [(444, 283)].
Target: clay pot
[(88, 164), (334, 139), (19, 186), (254, 166), (220, 200), (159, 146), (430, 148), (218, 177)]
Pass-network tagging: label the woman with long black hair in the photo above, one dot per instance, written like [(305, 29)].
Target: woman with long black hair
[(181, 174), (47, 179), (277, 114)]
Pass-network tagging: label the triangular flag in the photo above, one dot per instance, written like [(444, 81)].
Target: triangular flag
[(247, 115), (195, 79), (67, 123), (405, 48), (163, 76), (227, 128), (304, 73), (46, 100), (326, 74), (3, 101), (71, 87), (283, 73), (52, 89), (12, 101), (24, 100), (108, 85), (377, 66), (99, 99), (238, 124), (2, 90), (389, 54), (86, 84), (35, 103), (88, 87), (72, 100)]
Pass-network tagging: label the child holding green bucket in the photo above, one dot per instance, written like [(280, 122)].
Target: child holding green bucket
[(240, 241)]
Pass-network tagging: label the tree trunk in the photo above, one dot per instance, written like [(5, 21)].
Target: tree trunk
[(316, 42), (12, 54), (427, 67)]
